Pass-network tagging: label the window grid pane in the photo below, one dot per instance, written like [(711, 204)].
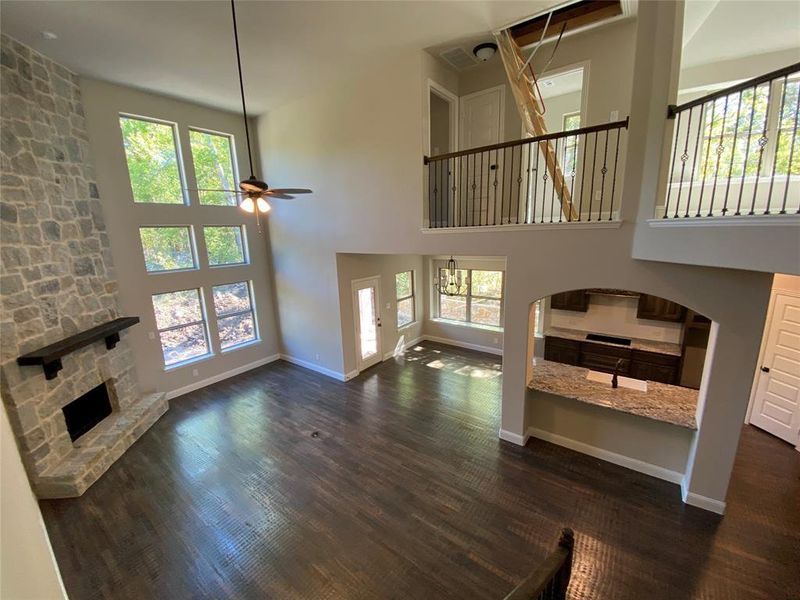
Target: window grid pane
[(167, 248), (234, 309), (152, 158), (405, 311), (181, 324), (483, 302), (213, 167), (224, 245)]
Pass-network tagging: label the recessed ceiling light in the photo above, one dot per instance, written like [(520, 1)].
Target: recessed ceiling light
[(548, 83), (49, 35)]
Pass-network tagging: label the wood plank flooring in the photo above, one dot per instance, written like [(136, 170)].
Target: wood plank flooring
[(406, 492)]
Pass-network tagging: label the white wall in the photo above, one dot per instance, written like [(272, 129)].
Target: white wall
[(615, 315), (103, 102), (557, 107), (28, 569), (367, 173)]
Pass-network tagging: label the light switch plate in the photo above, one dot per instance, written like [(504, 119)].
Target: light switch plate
[(151, 335), (614, 115)]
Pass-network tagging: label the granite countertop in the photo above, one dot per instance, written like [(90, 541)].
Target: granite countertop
[(636, 344), (661, 402)]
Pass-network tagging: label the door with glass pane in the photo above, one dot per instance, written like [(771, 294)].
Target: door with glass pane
[(366, 308)]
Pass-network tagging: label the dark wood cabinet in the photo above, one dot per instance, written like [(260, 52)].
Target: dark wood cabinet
[(653, 307), (562, 350), (654, 366), (577, 300), (639, 364)]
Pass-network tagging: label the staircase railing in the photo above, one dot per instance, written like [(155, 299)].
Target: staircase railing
[(565, 177), (551, 579), (736, 152)]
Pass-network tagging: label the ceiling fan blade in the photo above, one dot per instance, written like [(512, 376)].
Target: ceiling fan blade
[(214, 190), (273, 191), (279, 196)]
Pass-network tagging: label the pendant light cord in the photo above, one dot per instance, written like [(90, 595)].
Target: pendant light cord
[(241, 87)]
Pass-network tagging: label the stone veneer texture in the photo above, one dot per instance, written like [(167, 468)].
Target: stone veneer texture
[(57, 276)]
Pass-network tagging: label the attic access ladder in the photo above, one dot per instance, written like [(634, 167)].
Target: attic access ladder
[(523, 81)]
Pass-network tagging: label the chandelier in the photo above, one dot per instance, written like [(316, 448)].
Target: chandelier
[(450, 282)]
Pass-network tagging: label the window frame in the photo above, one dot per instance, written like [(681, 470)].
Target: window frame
[(179, 158), (571, 142), (245, 245), (234, 163), (251, 311), (468, 322), (412, 296), (202, 322), (774, 91), (192, 247)]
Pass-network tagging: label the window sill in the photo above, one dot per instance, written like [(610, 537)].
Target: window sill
[(407, 325), (189, 361), (465, 324), (246, 344)]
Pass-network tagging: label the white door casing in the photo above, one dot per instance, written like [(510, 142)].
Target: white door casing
[(776, 405), (367, 321)]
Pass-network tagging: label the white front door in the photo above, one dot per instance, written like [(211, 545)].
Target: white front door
[(366, 307), (482, 115), (776, 408)]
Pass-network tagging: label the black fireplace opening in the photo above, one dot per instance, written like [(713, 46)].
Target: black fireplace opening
[(87, 411)]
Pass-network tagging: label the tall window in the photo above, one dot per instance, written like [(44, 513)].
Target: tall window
[(482, 302), (181, 323), (571, 121), (235, 318), (212, 155), (151, 150), (736, 126), (179, 286), (404, 292)]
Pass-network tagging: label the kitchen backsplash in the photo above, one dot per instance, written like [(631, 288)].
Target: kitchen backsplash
[(616, 315)]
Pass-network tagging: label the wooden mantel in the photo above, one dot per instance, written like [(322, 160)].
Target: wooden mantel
[(50, 356)]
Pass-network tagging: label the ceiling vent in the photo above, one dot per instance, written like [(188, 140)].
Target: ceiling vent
[(458, 58)]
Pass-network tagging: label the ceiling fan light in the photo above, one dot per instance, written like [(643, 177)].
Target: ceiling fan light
[(263, 205), (248, 205)]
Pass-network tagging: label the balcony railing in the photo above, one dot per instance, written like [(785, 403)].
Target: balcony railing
[(567, 177), (736, 152)]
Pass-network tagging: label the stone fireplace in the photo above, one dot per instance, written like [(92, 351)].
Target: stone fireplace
[(57, 279)]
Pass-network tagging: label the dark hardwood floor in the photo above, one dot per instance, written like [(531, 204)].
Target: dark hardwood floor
[(406, 492)]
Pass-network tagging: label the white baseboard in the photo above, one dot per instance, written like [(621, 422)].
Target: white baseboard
[(351, 374), (318, 368), (618, 459), (460, 344), (215, 378), (704, 502), (514, 438)]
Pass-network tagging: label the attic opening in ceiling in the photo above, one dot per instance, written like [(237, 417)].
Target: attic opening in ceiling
[(570, 18)]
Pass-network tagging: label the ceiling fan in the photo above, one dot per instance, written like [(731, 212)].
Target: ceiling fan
[(254, 191)]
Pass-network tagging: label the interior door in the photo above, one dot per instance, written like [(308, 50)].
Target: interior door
[(776, 408), (366, 305), (482, 117)]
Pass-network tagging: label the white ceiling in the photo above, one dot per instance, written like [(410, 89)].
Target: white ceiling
[(563, 83), (718, 30), (289, 48)]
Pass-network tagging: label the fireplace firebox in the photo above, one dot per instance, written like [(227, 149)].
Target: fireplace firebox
[(88, 410)]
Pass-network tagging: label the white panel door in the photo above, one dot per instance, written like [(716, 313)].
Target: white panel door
[(366, 307), (482, 115), (777, 402)]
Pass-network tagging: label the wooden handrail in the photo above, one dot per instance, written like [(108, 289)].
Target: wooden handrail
[(673, 109), (530, 140), (551, 578)]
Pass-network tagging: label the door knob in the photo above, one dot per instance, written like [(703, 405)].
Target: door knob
[(765, 369)]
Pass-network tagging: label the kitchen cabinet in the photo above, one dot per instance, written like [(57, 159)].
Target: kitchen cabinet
[(601, 357), (653, 307), (576, 300), (639, 364), (562, 350), (653, 366)]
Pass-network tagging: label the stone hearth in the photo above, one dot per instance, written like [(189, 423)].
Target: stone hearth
[(56, 279)]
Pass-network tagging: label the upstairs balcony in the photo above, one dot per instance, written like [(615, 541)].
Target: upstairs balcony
[(571, 178), (731, 179)]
